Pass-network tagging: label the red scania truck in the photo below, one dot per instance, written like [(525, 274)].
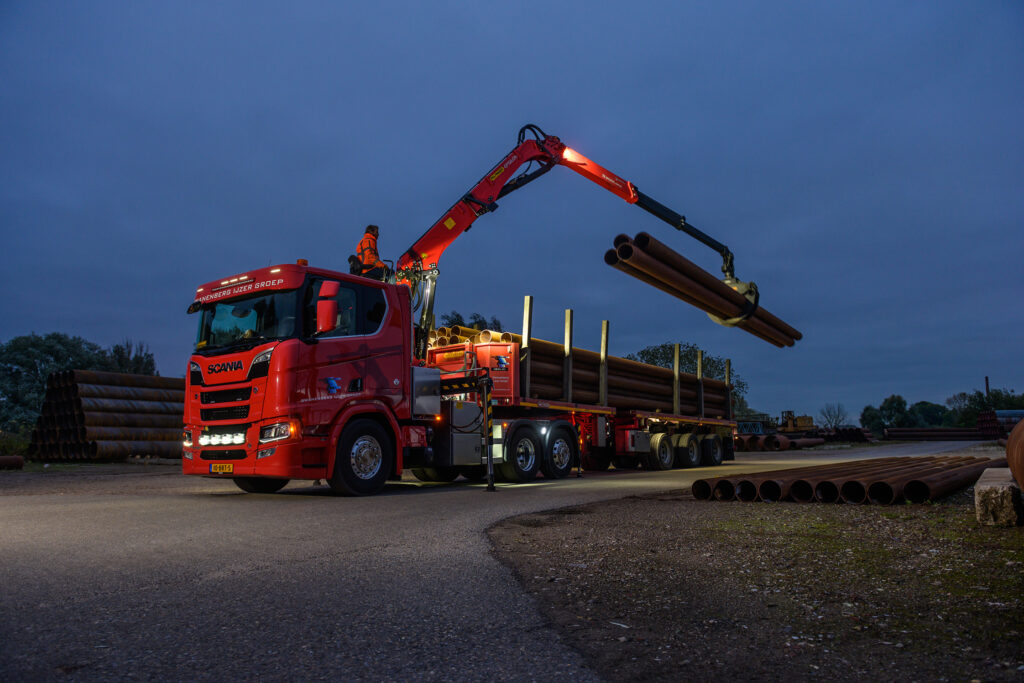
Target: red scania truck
[(304, 373)]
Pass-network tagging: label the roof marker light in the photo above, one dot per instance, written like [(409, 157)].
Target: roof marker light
[(275, 270), (199, 290)]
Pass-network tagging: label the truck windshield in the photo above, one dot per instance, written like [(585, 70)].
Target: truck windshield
[(247, 322)]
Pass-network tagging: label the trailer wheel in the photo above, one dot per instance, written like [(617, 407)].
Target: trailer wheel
[(259, 484), (364, 459), (436, 474), (688, 450), (523, 456), (661, 456), (712, 447), (560, 454), (473, 472)]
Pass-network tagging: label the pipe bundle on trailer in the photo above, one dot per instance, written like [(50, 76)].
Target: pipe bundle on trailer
[(882, 481), (647, 259), (631, 384), (107, 416)]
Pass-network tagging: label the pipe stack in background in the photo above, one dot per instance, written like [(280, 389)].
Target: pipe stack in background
[(109, 416), (774, 442), (647, 259), (1015, 452), (882, 481)]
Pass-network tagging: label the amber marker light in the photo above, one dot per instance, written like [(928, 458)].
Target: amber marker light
[(572, 156)]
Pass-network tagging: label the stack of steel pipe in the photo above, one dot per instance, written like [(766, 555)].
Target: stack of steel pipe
[(933, 434), (457, 334), (630, 384), (882, 481), (1015, 452), (108, 416), (775, 442), (647, 259)]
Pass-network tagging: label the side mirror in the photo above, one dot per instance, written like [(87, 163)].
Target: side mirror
[(326, 315), (329, 289)]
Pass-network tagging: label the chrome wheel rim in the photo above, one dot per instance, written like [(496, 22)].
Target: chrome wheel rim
[(665, 454), (561, 454), (526, 455), (366, 457)]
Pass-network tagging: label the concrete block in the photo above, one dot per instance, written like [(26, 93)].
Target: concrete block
[(997, 498)]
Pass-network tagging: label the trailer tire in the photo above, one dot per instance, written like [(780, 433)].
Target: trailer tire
[(688, 453), (260, 484), (473, 472), (523, 455), (711, 447), (661, 456), (436, 474), (560, 454), (364, 460)]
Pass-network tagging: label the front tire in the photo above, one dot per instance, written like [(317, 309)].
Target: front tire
[(560, 454), (364, 459), (260, 484), (523, 456)]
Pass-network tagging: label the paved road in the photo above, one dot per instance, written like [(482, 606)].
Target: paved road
[(138, 572)]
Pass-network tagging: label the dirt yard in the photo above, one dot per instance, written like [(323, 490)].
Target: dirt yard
[(667, 588)]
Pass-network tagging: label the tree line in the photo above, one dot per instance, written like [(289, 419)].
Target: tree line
[(961, 410), (26, 362)]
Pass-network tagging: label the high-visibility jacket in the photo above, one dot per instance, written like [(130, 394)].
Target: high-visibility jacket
[(367, 252)]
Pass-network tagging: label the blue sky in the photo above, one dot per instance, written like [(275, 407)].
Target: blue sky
[(863, 160)]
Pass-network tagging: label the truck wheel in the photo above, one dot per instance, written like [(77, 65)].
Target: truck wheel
[(688, 453), (436, 474), (712, 447), (364, 459), (661, 456), (523, 456), (473, 472), (624, 463), (560, 455), (259, 484)]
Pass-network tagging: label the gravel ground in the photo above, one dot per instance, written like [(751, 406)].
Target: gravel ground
[(663, 587)]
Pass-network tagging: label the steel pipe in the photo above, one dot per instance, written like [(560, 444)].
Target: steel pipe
[(707, 300), (683, 265)]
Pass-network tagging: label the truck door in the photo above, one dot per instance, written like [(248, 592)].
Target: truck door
[(333, 376)]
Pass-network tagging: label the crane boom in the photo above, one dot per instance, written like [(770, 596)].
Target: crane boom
[(418, 265)]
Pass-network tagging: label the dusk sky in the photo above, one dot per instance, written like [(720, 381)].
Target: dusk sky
[(864, 161)]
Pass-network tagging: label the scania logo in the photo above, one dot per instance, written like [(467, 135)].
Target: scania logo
[(224, 367)]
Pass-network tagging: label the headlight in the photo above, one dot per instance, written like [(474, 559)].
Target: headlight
[(277, 432), (260, 364)]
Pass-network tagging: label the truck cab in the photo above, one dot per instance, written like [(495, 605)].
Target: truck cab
[(287, 358)]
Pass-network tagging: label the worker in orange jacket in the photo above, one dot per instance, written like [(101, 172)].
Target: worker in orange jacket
[(370, 264)]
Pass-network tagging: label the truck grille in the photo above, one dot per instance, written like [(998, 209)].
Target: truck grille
[(233, 454), (225, 396), (232, 413)]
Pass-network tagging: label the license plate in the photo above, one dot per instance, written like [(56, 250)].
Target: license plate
[(222, 468)]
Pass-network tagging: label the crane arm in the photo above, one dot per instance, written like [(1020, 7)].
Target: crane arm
[(418, 265)]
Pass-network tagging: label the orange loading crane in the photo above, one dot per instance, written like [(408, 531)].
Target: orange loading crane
[(418, 267)]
